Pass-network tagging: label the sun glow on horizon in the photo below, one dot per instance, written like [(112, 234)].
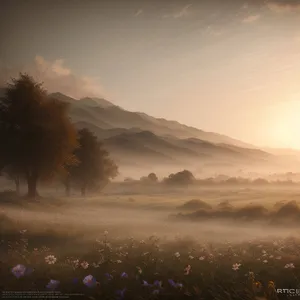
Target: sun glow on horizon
[(284, 120)]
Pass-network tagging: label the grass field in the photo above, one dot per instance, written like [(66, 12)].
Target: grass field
[(124, 245)]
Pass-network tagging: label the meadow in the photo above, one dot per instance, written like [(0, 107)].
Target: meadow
[(152, 243)]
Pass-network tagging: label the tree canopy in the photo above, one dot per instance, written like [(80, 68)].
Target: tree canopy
[(94, 168), (39, 138)]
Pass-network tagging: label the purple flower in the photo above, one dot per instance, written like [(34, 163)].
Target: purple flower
[(157, 283), (124, 275), (172, 282), (52, 284), (90, 281), (145, 283), (19, 270), (120, 294)]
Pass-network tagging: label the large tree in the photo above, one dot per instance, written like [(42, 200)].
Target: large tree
[(37, 136), (95, 168)]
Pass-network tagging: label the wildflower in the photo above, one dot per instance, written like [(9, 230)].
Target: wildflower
[(23, 231), (89, 281), (257, 286), (191, 257), (201, 258), (19, 270), (265, 261), (177, 254), (124, 275), (157, 283), (264, 251), (145, 283), (120, 294), (271, 283), (289, 266), (84, 265), (76, 263), (52, 284), (118, 261), (179, 285), (187, 270), (172, 282), (236, 266), (271, 256), (50, 259), (139, 270), (95, 265), (155, 292), (142, 242)]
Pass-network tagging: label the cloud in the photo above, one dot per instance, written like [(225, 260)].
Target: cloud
[(56, 78), (280, 6), (184, 12), (138, 12), (251, 19)]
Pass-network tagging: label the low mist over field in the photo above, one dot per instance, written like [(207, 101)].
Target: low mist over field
[(150, 150)]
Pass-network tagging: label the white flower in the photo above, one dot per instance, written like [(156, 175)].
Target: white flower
[(177, 254), (201, 258), (264, 251), (271, 256), (84, 264), (191, 257), (236, 266), (265, 261), (50, 259), (289, 266), (187, 270), (118, 261)]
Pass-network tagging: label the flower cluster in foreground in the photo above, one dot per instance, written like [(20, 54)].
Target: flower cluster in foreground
[(152, 269)]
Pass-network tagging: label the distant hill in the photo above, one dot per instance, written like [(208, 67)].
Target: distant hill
[(105, 115), (138, 140)]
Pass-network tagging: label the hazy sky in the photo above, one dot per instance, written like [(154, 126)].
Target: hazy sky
[(228, 66)]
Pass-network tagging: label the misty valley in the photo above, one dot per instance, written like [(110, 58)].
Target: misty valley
[(150, 149), (109, 209)]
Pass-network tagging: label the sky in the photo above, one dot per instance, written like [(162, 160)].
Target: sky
[(231, 67)]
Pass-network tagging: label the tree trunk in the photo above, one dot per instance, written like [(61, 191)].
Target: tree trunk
[(83, 191), (32, 186), (17, 183)]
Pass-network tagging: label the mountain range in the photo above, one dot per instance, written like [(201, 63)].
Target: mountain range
[(137, 140), (141, 143)]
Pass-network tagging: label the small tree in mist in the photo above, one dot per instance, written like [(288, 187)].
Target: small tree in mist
[(37, 136), (152, 177), (184, 177), (95, 168)]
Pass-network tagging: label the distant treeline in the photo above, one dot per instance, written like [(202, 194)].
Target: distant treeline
[(186, 177)]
